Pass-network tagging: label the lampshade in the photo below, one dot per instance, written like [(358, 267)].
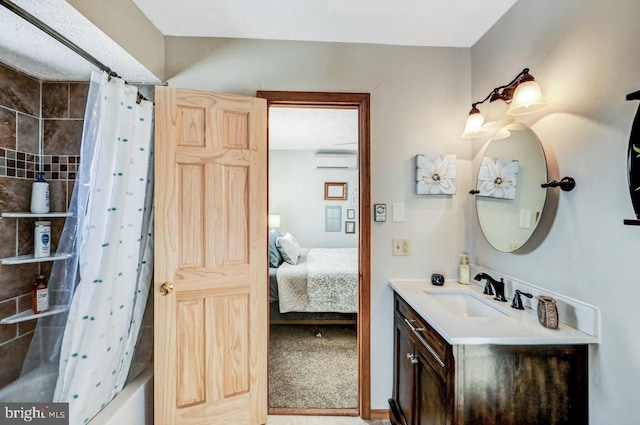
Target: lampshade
[(527, 99), (503, 133), (473, 127), (497, 115), (274, 221)]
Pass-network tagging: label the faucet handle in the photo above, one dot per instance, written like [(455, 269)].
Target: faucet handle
[(488, 289), (517, 301), (499, 287)]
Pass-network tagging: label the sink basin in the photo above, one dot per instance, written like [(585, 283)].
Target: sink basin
[(464, 303)]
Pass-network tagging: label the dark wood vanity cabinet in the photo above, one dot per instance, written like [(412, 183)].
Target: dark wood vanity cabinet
[(436, 383)]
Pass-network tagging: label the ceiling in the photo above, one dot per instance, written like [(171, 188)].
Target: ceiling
[(313, 129), (450, 23)]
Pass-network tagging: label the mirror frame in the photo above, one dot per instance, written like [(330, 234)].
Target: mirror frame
[(524, 170)]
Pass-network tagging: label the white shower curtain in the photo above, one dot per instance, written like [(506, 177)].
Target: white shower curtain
[(115, 252)]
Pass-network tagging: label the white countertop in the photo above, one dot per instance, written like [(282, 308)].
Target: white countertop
[(517, 327)]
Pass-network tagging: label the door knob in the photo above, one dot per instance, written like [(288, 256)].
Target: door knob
[(166, 288)]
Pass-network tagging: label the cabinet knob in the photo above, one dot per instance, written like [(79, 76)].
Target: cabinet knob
[(413, 358)]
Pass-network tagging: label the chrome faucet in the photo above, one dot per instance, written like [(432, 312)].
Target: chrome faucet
[(498, 286)]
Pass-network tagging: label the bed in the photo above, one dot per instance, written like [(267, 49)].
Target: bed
[(311, 285)]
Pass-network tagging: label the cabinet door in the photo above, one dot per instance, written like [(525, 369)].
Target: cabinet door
[(404, 374), (432, 394)]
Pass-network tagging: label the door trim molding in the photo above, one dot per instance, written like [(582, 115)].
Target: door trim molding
[(360, 101)]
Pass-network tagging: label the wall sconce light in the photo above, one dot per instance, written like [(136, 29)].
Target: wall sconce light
[(274, 221), (567, 184), (521, 96)]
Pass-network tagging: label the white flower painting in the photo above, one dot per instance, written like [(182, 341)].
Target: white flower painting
[(498, 178), (435, 174)]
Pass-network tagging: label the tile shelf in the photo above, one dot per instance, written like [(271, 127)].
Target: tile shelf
[(30, 315), (23, 259), (32, 215), (29, 258)]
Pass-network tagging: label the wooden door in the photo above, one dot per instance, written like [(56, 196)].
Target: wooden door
[(210, 243)]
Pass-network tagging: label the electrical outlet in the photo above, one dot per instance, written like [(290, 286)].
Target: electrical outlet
[(401, 246)]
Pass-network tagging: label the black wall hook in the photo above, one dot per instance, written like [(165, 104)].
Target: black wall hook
[(567, 184)]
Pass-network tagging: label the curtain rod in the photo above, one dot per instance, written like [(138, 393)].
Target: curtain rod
[(55, 35), (62, 39)]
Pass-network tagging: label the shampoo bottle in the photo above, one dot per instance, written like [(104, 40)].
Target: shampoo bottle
[(40, 196), (463, 269), (42, 239)]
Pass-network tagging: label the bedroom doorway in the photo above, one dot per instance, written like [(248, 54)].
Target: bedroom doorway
[(319, 217)]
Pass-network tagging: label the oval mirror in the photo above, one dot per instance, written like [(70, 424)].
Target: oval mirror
[(510, 201)]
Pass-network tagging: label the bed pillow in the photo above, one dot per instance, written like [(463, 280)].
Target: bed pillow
[(275, 259), (289, 248)]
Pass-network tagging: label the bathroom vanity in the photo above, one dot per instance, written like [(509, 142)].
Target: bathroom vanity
[(462, 358)]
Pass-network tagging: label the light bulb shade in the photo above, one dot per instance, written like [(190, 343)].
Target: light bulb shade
[(497, 115), (473, 127), (527, 99), (503, 133), (274, 221)]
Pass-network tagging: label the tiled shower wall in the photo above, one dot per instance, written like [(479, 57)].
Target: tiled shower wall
[(40, 130)]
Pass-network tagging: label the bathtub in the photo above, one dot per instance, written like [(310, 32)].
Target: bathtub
[(38, 385), (133, 405)]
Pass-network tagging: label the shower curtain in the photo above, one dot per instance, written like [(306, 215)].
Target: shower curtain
[(114, 248)]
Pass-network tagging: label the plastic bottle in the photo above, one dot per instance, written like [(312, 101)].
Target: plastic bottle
[(40, 295), (40, 196), (42, 239), (463, 269)]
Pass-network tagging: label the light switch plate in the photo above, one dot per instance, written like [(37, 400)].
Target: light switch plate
[(401, 246), (525, 219), (398, 212)]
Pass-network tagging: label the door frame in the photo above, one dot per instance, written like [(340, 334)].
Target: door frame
[(361, 102)]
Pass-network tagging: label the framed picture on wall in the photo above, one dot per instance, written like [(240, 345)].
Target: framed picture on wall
[(332, 218), (435, 174), (349, 226), (335, 191), (351, 214)]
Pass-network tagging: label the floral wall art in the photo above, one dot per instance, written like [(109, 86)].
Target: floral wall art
[(435, 174), (498, 178)]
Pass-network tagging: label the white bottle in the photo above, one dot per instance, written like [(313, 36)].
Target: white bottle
[(40, 196), (42, 239), (463, 269)]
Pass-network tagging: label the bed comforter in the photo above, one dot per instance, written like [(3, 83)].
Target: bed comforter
[(324, 280)]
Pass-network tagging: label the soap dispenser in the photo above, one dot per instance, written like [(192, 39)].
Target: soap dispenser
[(463, 269), (40, 196)]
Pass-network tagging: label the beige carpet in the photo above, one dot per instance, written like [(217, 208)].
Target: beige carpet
[(307, 372)]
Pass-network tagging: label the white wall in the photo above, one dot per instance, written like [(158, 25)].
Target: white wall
[(296, 193), (419, 100), (585, 56)]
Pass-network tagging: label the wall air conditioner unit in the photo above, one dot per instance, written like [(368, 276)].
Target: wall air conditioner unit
[(337, 160)]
